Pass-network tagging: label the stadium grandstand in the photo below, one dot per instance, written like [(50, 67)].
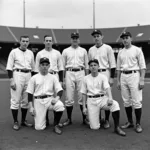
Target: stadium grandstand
[(9, 39)]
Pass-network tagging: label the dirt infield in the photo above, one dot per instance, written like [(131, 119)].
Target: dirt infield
[(75, 137)]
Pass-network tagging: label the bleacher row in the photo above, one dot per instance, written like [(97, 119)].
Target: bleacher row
[(62, 37)]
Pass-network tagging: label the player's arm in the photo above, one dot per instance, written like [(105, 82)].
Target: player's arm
[(60, 67), (86, 63), (64, 66), (118, 72), (37, 62), (30, 101), (32, 65)]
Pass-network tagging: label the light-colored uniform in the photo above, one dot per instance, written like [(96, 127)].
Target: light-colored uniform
[(40, 85), (20, 60), (130, 60), (55, 58), (78, 59), (92, 86), (105, 57)]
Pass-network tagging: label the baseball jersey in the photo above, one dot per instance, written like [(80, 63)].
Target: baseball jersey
[(19, 59), (55, 58), (75, 58), (104, 54), (94, 85), (131, 59), (43, 85)]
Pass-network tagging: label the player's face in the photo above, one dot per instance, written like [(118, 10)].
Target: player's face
[(48, 42), (44, 67), (24, 42), (94, 67), (75, 41), (97, 38), (126, 40)]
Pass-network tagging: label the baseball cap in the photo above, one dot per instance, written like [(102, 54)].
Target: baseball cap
[(96, 32), (125, 34), (74, 34), (93, 60), (44, 60)]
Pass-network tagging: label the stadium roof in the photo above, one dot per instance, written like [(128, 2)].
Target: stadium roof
[(62, 36)]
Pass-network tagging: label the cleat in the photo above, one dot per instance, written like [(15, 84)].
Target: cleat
[(86, 122), (57, 130), (120, 132), (67, 122), (26, 124), (16, 126), (106, 124), (138, 128), (127, 125)]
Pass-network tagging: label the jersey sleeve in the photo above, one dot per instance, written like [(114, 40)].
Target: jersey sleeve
[(57, 85), (118, 61), (86, 60), (31, 85), (111, 58), (84, 86), (105, 83), (10, 61), (141, 59), (64, 59), (33, 63), (89, 54), (37, 61)]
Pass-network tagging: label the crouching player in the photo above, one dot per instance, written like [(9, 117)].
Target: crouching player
[(42, 87), (93, 88)]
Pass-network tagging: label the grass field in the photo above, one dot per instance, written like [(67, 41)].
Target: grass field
[(75, 137)]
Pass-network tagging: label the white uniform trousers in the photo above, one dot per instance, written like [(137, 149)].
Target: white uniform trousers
[(94, 105), (19, 96), (41, 106), (130, 92), (73, 80)]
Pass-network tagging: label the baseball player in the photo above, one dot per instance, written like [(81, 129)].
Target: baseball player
[(76, 66), (130, 79), (20, 64), (55, 58), (42, 86), (96, 91), (105, 56)]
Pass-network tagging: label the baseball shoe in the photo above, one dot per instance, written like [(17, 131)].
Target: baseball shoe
[(127, 125), (57, 130), (138, 128), (16, 126), (60, 125), (106, 124), (86, 122), (67, 122), (120, 132), (26, 124)]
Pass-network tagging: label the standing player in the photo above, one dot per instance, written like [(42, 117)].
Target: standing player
[(76, 66), (43, 86), (94, 88), (20, 64), (105, 56), (130, 79), (55, 58)]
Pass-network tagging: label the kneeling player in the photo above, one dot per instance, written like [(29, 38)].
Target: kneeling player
[(93, 88), (43, 86)]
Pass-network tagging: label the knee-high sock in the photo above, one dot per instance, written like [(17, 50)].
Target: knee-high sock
[(24, 114), (57, 117), (107, 114), (15, 114), (129, 114), (83, 115), (116, 117), (138, 113), (69, 112)]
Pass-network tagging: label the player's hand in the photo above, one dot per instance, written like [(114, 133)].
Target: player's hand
[(84, 110), (109, 102), (32, 111), (111, 82), (54, 100), (141, 84), (12, 84), (118, 85), (64, 85)]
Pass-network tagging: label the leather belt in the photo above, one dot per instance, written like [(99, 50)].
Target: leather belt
[(74, 69), (42, 97), (101, 70), (54, 72), (96, 96), (22, 70), (129, 72)]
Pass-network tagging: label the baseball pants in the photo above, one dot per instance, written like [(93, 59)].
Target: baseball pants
[(41, 106), (94, 105), (130, 92), (19, 96), (73, 80)]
